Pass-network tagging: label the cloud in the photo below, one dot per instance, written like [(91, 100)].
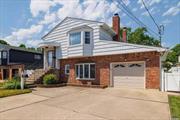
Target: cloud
[(172, 11), (148, 2), (33, 42), (22, 35), (48, 18), (153, 11), (37, 6)]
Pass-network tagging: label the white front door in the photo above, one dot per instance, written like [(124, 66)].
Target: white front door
[(50, 59), (131, 75)]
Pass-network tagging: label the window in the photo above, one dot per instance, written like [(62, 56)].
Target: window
[(4, 55), (50, 58), (75, 38), (67, 69), (85, 71), (37, 57), (87, 37)]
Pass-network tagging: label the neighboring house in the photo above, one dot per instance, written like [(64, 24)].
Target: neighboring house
[(90, 53), (15, 59)]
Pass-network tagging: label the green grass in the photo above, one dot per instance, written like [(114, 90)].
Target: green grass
[(5, 93), (174, 103), (1, 84)]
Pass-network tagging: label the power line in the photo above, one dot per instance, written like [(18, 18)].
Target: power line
[(150, 14), (160, 28), (129, 11), (132, 16)]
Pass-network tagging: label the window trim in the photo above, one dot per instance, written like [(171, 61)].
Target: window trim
[(66, 66), (83, 64)]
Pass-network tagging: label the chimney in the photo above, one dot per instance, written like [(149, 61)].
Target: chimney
[(124, 34), (116, 26)]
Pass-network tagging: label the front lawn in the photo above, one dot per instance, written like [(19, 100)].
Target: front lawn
[(5, 92), (1, 84), (174, 103)]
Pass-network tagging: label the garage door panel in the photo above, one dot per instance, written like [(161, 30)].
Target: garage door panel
[(130, 75)]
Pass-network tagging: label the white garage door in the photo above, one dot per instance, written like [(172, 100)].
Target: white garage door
[(129, 75)]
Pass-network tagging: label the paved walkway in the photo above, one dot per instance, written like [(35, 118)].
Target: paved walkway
[(85, 103)]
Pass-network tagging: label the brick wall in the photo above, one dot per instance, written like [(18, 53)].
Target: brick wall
[(103, 68)]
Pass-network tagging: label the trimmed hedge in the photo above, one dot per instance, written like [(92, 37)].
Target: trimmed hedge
[(50, 79)]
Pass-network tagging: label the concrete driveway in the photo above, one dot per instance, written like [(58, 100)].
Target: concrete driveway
[(85, 103)]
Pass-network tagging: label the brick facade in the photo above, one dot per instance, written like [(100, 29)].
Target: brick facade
[(103, 68)]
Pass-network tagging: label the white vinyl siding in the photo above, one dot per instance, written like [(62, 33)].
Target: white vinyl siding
[(104, 35), (60, 35)]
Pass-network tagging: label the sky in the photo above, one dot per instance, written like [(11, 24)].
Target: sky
[(27, 21)]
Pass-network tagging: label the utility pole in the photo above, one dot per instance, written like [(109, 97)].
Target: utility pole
[(161, 32)]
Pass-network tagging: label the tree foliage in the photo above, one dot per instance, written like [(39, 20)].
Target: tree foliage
[(22, 45), (173, 55), (3, 42), (139, 36)]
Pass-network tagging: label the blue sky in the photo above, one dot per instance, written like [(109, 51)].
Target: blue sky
[(26, 21)]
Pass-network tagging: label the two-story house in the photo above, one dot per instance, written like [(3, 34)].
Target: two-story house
[(13, 60), (91, 52)]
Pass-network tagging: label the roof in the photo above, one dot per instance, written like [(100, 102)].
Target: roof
[(48, 43), (18, 48), (100, 23)]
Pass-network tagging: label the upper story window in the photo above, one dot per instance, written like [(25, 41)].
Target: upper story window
[(4, 54), (87, 37), (75, 38)]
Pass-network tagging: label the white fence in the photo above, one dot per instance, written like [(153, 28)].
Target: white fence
[(171, 81)]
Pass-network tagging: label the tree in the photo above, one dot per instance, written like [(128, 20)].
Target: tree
[(3, 42), (139, 36), (22, 45), (172, 57)]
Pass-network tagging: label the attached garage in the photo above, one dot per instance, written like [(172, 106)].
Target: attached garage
[(128, 74)]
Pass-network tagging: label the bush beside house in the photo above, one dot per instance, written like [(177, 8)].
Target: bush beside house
[(50, 79)]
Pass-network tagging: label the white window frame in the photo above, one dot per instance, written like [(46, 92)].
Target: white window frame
[(83, 64), (67, 66)]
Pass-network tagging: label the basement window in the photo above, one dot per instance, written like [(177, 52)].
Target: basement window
[(85, 71)]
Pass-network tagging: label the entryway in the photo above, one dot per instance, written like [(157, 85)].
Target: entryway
[(128, 74)]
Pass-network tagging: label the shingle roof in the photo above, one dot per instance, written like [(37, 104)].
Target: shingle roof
[(2, 46)]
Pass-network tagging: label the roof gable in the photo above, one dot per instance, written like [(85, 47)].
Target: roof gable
[(78, 19)]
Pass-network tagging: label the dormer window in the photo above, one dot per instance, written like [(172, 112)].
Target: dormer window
[(75, 38), (87, 37)]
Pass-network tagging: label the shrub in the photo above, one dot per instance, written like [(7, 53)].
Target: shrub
[(18, 78), (49, 79), (13, 84)]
